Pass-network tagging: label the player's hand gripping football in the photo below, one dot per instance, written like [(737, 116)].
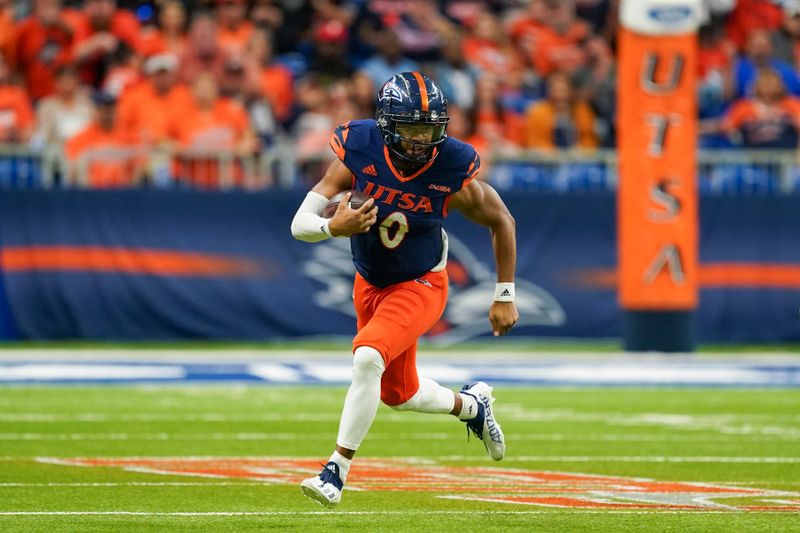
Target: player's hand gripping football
[(503, 316), (346, 221)]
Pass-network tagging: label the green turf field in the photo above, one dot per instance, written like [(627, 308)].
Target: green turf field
[(228, 459)]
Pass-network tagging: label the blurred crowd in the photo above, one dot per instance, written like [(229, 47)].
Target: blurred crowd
[(124, 80)]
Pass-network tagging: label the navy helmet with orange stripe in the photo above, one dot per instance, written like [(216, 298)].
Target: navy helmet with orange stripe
[(412, 117)]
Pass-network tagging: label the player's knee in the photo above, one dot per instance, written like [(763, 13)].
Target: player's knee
[(367, 361), (409, 405)]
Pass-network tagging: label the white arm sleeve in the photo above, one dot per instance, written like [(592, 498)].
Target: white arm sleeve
[(307, 224)]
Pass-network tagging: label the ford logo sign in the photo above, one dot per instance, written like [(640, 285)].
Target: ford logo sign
[(670, 15)]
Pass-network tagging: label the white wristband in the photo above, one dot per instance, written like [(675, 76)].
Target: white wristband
[(504, 292), (325, 227)]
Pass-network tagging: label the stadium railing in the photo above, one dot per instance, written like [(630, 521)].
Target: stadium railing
[(720, 172)]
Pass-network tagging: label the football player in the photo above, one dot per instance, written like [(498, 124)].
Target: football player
[(413, 174)]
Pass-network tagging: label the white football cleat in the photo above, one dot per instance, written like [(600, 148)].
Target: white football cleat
[(325, 488), (484, 425)]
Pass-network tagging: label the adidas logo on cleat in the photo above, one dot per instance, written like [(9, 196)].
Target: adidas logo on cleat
[(484, 426), (326, 488)]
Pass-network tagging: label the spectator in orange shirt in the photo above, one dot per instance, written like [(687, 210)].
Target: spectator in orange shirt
[(16, 114), (770, 119), (100, 156), (560, 121), (526, 27), (209, 122), (273, 80), (235, 85), (234, 28), (562, 48), (100, 31), (44, 41), (203, 52), (144, 111), (498, 128), (487, 46), (170, 35), (210, 126), (65, 113), (558, 45)]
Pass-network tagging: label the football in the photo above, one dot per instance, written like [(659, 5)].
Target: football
[(356, 200)]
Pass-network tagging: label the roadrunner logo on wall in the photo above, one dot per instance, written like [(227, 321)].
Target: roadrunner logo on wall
[(471, 289)]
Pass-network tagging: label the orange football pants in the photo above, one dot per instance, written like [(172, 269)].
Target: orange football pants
[(391, 320)]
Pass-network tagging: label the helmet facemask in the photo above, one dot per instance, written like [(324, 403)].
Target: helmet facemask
[(413, 139)]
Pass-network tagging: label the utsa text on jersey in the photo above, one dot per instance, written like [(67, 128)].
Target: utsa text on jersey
[(410, 201)]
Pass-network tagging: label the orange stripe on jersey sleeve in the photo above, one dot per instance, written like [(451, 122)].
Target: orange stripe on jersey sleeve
[(473, 170), (336, 146), (423, 92)]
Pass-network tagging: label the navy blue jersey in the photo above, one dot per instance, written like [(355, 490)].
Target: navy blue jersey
[(406, 241)]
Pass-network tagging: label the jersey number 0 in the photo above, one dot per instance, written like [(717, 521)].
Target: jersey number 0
[(390, 237)]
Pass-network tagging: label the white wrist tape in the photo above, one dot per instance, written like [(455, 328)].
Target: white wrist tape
[(307, 224), (504, 292)]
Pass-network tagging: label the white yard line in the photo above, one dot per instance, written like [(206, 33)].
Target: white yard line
[(746, 484), (159, 417), (409, 458), (127, 484), (268, 436), (512, 458), (509, 411), (632, 459), (205, 436)]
